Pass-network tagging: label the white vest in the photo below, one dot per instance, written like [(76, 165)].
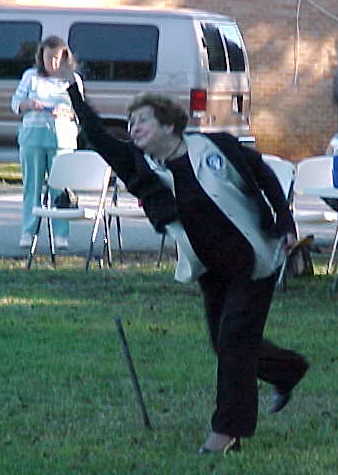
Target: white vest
[(223, 184)]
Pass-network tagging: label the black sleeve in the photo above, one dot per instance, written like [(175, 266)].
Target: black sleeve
[(115, 152), (160, 208), (158, 201), (268, 182)]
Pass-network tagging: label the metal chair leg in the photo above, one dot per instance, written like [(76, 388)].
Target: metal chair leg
[(333, 252), (89, 255), (281, 283), (51, 242), (159, 259), (119, 237), (107, 241), (92, 241), (32, 249), (114, 201)]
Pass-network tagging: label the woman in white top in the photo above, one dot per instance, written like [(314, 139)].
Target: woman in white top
[(48, 128)]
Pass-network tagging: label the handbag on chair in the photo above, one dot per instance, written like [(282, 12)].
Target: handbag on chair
[(67, 199)]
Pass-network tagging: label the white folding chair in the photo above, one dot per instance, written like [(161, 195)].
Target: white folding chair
[(314, 178), (133, 211), (81, 171), (285, 171)]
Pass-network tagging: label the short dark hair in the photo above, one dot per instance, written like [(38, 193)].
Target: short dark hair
[(52, 42), (166, 111)]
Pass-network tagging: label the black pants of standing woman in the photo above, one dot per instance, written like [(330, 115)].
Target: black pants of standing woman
[(236, 310)]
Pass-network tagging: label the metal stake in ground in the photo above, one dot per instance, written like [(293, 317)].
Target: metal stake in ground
[(132, 371)]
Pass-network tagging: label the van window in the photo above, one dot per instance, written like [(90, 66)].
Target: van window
[(234, 47), (224, 47), (215, 48), (19, 41), (115, 52)]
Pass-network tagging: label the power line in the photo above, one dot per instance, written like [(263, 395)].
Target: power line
[(297, 44), (298, 36), (323, 10)]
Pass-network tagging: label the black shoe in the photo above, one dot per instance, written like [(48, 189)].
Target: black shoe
[(233, 446), (280, 400)]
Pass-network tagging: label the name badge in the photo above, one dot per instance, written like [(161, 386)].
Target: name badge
[(215, 161)]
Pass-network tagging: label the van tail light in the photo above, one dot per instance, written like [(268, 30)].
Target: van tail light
[(198, 102)]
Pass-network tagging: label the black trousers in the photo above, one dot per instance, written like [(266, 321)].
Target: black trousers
[(236, 310)]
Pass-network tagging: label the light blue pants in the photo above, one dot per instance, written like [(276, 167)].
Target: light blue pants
[(36, 163)]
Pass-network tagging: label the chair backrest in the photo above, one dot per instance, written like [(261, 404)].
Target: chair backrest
[(314, 172), (285, 172), (83, 170)]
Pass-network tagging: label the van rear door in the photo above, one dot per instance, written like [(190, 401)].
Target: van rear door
[(229, 78)]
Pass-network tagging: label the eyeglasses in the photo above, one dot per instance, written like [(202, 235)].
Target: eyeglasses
[(140, 118)]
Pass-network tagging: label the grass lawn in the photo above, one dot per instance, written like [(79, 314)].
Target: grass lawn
[(10, 172), (67, 402)]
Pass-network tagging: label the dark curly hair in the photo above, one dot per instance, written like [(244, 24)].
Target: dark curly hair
[(166, 111), (52, 42)]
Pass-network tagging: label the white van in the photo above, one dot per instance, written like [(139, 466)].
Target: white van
[(196, 57)]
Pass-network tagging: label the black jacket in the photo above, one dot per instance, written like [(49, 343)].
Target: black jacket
[(158, 201)]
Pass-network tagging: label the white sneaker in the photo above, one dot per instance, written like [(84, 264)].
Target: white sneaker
[(25, 240), (61, 242)]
